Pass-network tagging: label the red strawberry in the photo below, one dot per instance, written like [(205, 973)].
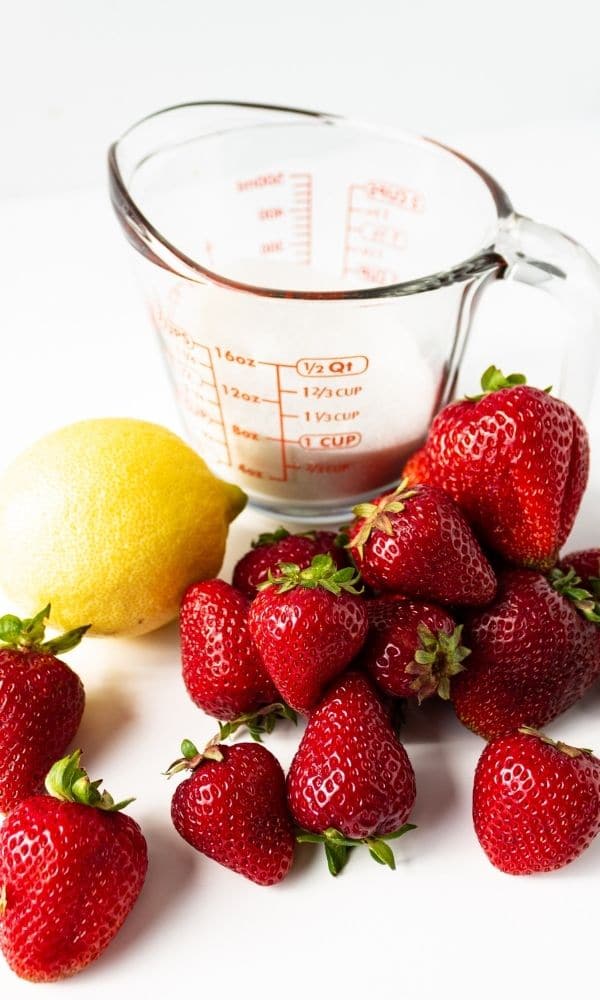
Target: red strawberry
[(516, 460), (586, 565), (222, 668), (41, 704), (533, 654), (416, 470), (308, 625), (351, 781), (269, 549), (416, 541), (413, 650), (536, 803), (71, 868), (233, 808)]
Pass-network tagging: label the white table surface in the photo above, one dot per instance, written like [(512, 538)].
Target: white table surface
[(76, 343)]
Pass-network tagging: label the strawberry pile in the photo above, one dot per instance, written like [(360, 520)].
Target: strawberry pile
[(451, 584)]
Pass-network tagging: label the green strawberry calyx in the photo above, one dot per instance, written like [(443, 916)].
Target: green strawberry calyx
[(322, 572), (338, 847), (376, 516), (494, 379), (438, 658), (565, 748), (191, 757), (258, 723), (68, 781), (569, 585), (270, 538), (28, 634)]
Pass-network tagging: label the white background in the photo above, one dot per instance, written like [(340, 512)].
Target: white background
[(516, 86)]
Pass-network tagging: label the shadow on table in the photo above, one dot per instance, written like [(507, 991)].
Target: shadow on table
[(170, 864), (108, 712)]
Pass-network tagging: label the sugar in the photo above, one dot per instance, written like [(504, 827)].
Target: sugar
[(309, 401)]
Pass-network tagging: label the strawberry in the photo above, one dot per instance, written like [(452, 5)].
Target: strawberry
[(41, 702), (533, 653), (413, 649), (416, 470), (222, 668), (71, 868), (233, 809), (416, 541), (308, 624), (351, 781), (586, 565), (271, 548), (536, 803), (516, 460)]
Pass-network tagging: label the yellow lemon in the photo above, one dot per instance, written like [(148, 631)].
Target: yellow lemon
[(109, 521)]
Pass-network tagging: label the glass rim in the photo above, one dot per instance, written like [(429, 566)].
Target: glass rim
[(129, 213)]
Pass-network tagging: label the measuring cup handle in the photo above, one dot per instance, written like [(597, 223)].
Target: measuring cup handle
[(544, 257)]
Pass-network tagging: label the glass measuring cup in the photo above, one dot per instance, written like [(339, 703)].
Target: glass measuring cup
[(313, 283)]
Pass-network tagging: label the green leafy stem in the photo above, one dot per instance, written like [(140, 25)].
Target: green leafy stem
[(338, 847), (28, 634), (68, 781)]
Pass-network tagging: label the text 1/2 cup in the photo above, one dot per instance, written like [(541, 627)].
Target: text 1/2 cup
[(313, 280)]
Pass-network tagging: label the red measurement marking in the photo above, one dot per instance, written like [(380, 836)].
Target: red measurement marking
[(330, 441), (375, 212), (281, 427), (302, 194), (266, 214), (367, 251), (374, 232), (396, 194), (260, 181), (225, 442), (274, 246), (215, 440), (354, 364), (347, 228), (375, 275), (257, 473), (245, 433), (326, 470)]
